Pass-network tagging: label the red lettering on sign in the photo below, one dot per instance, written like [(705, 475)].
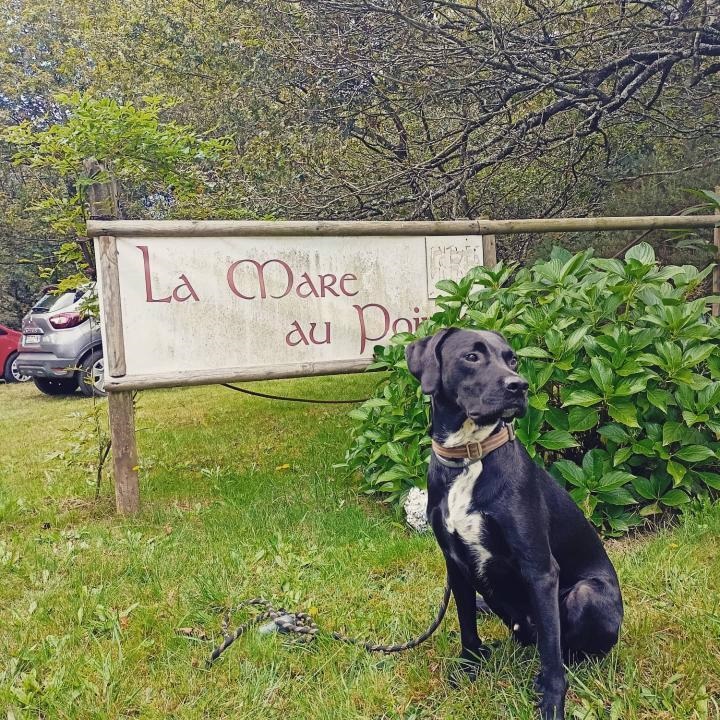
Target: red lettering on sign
[(343, 279), (323, 286), (176, 292), (311, 288), (396, 325), (148, 282), (260, 268), (314, 340), (371, 313), (297, 330), (301, 337), (190, 290), (364, 337), (326, 285)]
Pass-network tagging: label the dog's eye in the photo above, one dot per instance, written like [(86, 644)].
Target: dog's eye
[(513, 361), (471, 357)]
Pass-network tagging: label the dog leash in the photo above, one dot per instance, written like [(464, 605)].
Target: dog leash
[(302, 624), (285, 398), (306, 629)]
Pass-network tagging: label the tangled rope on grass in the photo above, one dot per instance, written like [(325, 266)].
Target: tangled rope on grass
[(302, 625)]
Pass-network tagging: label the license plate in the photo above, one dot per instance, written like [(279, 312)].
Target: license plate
[(31, 339)]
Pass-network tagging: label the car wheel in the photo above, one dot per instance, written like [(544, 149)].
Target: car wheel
[(64, 386), (92, 375), (12, 374)]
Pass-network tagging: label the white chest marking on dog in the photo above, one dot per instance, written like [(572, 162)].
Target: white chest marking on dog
[(468, 525), (468, 432)]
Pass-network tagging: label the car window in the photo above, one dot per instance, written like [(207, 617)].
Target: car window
[(53, 303)]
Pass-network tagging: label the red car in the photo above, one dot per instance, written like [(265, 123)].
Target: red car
[(9, 342)]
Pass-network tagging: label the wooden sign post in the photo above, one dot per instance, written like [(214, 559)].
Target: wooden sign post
[(121, 411)]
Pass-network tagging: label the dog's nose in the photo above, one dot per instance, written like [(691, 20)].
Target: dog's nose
[(515, 384)]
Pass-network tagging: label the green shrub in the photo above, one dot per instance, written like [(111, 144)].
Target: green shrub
[(624, 383)]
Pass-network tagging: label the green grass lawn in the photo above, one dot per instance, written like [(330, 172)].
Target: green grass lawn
[(240, 498)]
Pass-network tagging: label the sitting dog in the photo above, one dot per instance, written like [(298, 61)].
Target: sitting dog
[(505, 526)]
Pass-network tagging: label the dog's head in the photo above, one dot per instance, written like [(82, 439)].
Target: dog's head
[(473, 369)]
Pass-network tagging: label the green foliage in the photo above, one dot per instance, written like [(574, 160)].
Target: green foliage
[(143, 153), (624, 398)]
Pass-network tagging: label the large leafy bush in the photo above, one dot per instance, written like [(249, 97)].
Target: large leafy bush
[(624, 380)]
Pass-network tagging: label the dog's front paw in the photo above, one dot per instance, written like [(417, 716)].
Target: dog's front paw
[(475, 656), (552, 691), (469, 664), (552, 709)]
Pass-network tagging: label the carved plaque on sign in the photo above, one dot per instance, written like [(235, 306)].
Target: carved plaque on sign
[(451, 258)]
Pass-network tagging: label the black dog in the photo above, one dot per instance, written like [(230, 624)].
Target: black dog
[(506, 527)]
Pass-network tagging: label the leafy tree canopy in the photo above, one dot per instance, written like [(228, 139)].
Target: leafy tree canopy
[(366, 108), (155, 162)]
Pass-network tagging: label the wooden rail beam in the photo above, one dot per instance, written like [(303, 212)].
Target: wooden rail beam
[(349, 228)]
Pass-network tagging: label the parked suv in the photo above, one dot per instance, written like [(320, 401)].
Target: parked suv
[(61, 348), (9, 342)]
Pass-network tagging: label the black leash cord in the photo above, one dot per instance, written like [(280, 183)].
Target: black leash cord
[(292, 399), (306, 628), (300, 623), (410, 644)]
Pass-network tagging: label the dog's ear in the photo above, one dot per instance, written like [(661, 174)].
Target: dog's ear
[(423, 360)]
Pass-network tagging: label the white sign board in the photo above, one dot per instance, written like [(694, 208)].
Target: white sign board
[(212, 309)]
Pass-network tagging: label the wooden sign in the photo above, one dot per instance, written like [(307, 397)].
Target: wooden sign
[(183, 305)]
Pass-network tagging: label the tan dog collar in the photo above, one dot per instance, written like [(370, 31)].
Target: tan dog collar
[(475, 450)]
